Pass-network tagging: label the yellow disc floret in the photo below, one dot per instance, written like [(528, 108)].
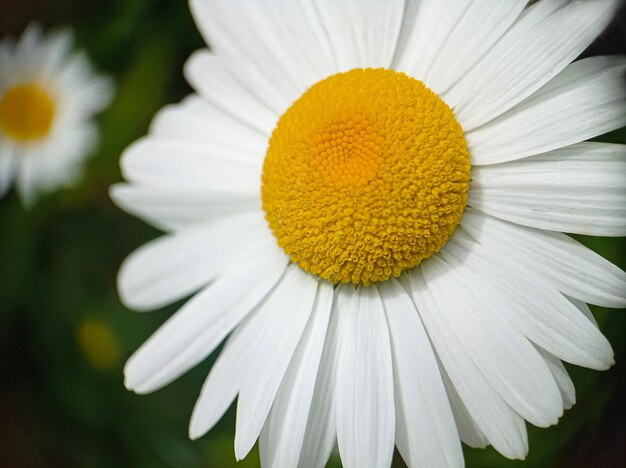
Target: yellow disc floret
[(26, 113), (366, 175)]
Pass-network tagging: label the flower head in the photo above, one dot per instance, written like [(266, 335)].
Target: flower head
[(369, 198), (48, 96)]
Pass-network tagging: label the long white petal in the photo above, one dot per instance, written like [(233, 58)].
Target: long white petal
[(222, 384), (286, 424), (467, 428), (579, 189), (536, 308), (174, 164), (7, 169), (321, 432), (210, 128), (264, 443), (566, 386), (364, 385), (212, 80), (194, 332), (587, 99), (426, 434), (541, 44), (274, 49), (502, 426), (571, 267), (363, 33), (175, 209), (441, 41), (291, 304), (235, 365), (584, 308), (173, 266), (505, 357)]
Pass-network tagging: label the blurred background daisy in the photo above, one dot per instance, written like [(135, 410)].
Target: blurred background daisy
[(63, 332), (48, 94)]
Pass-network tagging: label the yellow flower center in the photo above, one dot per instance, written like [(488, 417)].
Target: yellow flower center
[(26, 113), (366, 175)]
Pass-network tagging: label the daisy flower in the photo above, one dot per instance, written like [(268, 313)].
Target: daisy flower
[(368, 198), (48, 96)]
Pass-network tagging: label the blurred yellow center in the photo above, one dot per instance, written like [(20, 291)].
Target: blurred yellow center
[(26, 113), (366, 175), (98, 344)]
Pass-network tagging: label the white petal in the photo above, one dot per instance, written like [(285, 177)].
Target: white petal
[(173, 266), (468, 430), (95, 94), (195, 120), (319, 438), (27, 47), (542, 43), (275, 49), (228, 373), (175, 209), (7, 49), (580, 189), (536, 308), (221, 386), (568, 265), (502, 426), (502, 353), (7, 168), (441, 41), (212, 80), (364, 386), (25, 178), (584, 308), (289, 306), (54, 163), (198, 327), (264, 443), (173, 164), (55, 49), (566, 386), (82, 92), (242, 353), (287, 421), (425, 27), (426, 434), (587, 99), (363, 33)]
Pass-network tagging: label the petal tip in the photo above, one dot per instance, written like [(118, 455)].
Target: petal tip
[(195, 429), (242, 447)]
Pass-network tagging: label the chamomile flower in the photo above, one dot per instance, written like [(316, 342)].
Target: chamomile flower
[(368, 199), (48, 95)]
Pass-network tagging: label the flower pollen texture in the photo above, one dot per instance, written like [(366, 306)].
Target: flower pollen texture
[(366, 175), (26, 112)]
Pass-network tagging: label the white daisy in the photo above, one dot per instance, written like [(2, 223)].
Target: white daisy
[(48, 95), (312, 134)]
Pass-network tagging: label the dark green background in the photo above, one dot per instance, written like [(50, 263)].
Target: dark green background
[(59, 260)]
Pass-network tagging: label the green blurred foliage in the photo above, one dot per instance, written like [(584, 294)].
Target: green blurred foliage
[(58, 263)]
